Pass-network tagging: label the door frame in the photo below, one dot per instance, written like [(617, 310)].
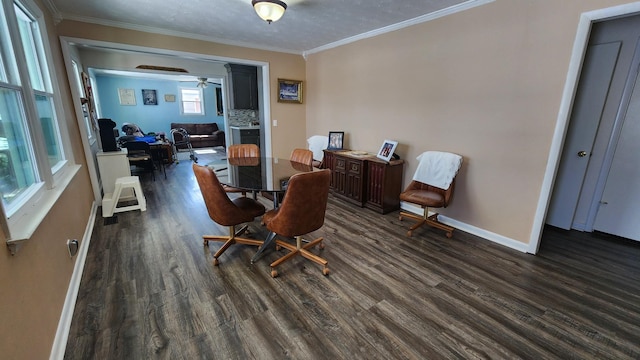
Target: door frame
[(263, 90), (573, 74)]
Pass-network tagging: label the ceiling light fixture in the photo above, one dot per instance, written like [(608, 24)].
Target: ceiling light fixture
[(202, 82), (269, 10)]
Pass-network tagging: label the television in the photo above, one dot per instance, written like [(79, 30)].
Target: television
[(108, 135)]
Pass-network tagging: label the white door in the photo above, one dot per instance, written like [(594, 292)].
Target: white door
[(600, 61), (619, 211)]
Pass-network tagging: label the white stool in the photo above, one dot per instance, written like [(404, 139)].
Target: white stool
[(110, 201)]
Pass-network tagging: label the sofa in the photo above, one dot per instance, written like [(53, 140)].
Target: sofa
[(200, 135)]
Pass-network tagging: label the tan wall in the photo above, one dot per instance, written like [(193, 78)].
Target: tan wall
[(34, 281), (291, 129), (485, 83)]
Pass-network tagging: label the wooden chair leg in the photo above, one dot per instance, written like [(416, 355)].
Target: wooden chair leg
[(298, 249), (228, 241)]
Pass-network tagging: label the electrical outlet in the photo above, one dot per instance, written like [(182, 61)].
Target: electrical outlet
[(275, 123)]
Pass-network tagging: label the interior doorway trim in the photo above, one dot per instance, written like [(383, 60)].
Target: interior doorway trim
[(575, 64)]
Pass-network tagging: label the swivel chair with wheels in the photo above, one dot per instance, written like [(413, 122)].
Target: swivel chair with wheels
[(432, 187), (302, 211), (225, 211)]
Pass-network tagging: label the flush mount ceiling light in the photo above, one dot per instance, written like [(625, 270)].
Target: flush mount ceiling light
[(202, 82), (269, 10)]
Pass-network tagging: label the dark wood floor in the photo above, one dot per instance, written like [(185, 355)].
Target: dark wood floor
[(149, 290)]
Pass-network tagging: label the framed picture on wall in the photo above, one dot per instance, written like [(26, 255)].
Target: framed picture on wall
[(336, 140), (290, 91), (127, 96), (149, 97)]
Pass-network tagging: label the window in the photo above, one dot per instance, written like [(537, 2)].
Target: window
[(191, 101), (32, 156)]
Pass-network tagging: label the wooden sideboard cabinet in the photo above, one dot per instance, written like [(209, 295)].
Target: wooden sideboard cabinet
[(365, 180)]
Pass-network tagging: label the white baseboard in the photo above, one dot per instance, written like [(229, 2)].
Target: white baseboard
[(488, 235), (62, 333)]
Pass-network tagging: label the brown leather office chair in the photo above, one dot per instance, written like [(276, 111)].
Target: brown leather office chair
[(238, 151), (429, 196), (225, 211), (301, 212), (302, 156)]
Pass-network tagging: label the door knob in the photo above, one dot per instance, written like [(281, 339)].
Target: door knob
[(582, 153)]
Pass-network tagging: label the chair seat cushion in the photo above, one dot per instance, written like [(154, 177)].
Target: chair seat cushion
[(249, 206), (423, 198)]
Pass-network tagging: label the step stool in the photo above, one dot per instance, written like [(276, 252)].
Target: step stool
[(110, 201)]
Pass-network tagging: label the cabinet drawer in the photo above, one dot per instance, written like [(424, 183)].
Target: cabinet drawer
[(355, 167)]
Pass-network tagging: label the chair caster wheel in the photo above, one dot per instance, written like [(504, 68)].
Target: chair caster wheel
[(409, 233), (205, 243), (449, 235), (278, 247), (274, 273), (321, 246), (215, 262), (400, 217), (325, 271)]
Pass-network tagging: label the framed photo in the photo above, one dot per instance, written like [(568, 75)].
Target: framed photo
[(149, 97), (336, 140), (169, 98), (289, 91), (127, 96), (386, 150)]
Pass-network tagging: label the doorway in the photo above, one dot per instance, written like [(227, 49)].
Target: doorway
[(583, 32)]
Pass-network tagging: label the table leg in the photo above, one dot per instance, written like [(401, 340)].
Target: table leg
[(270, 240)]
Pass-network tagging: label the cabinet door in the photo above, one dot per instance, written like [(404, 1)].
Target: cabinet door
[(244, 81), (340, 175), (353, 186)]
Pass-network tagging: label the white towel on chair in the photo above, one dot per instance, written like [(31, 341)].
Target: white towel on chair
[(437, 168), (317, 143)]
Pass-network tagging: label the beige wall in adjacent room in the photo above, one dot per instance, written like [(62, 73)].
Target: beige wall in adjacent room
[(485, 83), (291, 129), (34, 281)]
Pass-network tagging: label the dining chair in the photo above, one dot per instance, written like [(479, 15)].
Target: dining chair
[(317, 144), (225, 211), (301, 212), (237, 151), (140, 157), (302, 156), (432, 187)]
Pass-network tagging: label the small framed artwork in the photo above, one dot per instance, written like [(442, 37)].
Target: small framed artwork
[(336, 140), (127, 96), (169, 98), (386, 150), (289, 91), (149, 97)]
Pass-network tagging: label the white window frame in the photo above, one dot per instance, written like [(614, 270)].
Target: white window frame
[(182, 101), (25, 216)]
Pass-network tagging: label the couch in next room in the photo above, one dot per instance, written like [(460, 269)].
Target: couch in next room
[(201, 135)]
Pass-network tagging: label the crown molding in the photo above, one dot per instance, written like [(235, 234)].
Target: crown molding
[(155, 30)]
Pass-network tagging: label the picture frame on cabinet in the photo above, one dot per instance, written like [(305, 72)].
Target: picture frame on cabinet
[(290, 91), (336, 140), (386, 150)]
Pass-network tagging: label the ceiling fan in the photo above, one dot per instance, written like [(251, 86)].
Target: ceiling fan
[(203, 82)]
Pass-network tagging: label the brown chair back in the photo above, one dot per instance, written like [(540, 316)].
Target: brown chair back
[(302, 156), (221, 209), (304, 205), (243, 150)]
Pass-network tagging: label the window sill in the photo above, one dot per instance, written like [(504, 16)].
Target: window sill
[(20, 230)]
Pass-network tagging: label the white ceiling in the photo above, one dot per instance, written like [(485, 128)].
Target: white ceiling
[(307, 25)]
